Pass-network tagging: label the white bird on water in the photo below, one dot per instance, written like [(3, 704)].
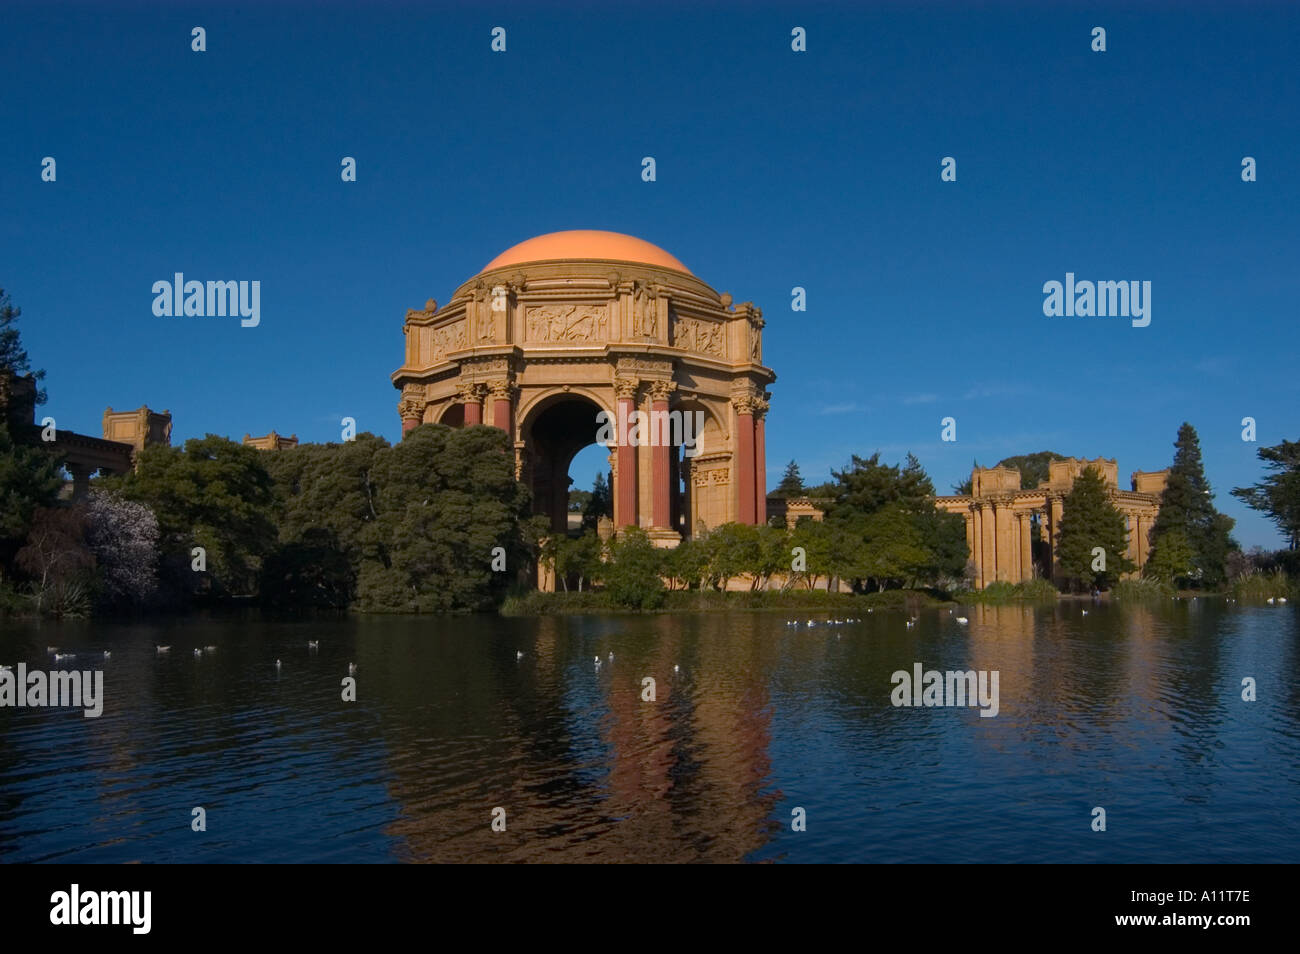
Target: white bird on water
[(1085, 612), (911, 623), (58, 656), (277, 665), (1281, 599), (107, 653), (675, 667), (54, 649), (209, 649), (519, 654), (597, 658), (962, 620), (611, 657), (1270, 601), (198, 653), (4, 668), (162, 649), (352, 669), (313, 644)]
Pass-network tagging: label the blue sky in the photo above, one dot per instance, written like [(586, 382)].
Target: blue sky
[(775, 169)]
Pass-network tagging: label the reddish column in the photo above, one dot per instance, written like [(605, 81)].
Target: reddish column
[(760, 471), (625, 493), (409, 424), (473, 410), (660, 437), (501, 412), (745, 463)]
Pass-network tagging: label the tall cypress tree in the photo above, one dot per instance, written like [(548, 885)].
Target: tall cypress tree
[(1187, 505), (1089, 520), (791, 484)]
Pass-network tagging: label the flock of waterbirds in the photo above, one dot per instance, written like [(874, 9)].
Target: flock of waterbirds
[(58, 655)]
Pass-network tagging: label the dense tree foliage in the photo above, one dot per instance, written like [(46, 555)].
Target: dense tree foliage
[(214, 494), (1089, 521), (1187, 505), (791, 484), (417, 524), (1278, 494)]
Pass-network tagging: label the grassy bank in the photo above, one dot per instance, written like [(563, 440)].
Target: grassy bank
[(696, 601), (1031, 591)]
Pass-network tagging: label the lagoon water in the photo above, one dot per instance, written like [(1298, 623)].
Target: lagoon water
[(1134, 709)]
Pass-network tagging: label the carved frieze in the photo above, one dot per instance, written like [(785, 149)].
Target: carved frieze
[(441, 341), (567, 322), (702, 335)]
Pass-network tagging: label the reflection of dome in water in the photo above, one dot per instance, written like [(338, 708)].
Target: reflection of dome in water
[(586, 244)]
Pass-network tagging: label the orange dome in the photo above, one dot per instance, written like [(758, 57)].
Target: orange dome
[(586, 244)]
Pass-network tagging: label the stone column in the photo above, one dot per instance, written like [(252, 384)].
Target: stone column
[(1056, 508), (745, 510), (989, 543), (977, 542), (501, 404), (80, 474), (471, 396), (1026, 548), (625, 509), (760, 462), (1003, 541), (1143, 524), (660, 439)]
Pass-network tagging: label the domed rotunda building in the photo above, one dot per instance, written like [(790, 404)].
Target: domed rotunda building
[(563, 326)]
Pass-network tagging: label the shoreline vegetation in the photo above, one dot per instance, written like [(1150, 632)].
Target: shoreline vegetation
[(440, 523)]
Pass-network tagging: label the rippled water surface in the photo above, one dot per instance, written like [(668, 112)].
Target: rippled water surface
[(1137, 710)]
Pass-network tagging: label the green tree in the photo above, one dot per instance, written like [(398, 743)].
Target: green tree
[(13, 356), (29, 480), (1278, 494), (791, 484), (687, 564), (633, 574), (1089, 520), (446, 499), (1187, 504), (814, 536), (1172, 560), (599, 504), (734, 550), (213, 494)]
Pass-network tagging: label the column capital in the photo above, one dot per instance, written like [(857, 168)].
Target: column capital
[(744, 403), (626, 387), (501, 389), (470, 392), (660, 390)]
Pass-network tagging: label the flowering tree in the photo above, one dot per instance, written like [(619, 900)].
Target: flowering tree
[(123, 535)]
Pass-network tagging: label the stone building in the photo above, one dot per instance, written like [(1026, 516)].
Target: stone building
[(1003, 520), (564, 326)]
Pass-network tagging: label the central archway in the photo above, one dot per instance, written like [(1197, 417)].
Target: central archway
[(553, 431)]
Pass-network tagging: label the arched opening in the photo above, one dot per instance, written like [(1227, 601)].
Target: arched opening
[(453, 415), (555, 431)]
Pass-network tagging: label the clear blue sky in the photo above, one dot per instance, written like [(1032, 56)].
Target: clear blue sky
[(775, 169)]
